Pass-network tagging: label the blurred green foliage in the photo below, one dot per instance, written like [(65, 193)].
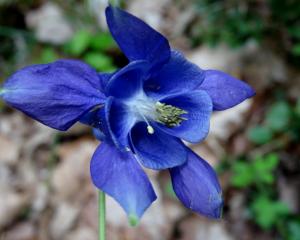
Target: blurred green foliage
[(282, 119), (79, 43), (279, 116), (100, 61), (293, 229), (297, 108), (260, 134), (256, 173), (235, 22), (19, 46), (47, 54), (259, 171), (102, 41), (92, 49), (267, 212)]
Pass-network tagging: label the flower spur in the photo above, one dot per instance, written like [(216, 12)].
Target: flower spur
[(141, 113)]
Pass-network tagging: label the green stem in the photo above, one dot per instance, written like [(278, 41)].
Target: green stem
[(101, 215)]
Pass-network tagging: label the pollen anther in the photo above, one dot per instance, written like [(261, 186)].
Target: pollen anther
[(150, 129), (169, 115)]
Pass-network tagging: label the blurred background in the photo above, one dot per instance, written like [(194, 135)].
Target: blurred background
[(45, 187)]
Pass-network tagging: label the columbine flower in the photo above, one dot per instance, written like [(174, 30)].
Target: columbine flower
[(141, 113)]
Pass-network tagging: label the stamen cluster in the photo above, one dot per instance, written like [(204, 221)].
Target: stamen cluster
[(169, 115)]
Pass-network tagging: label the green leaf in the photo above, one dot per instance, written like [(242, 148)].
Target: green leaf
[(79, 43), (260, 135), (296, 49), (268, 163), (294, 230), (48, 55), (266, 212), (264, 167), (257, 172), (243, 174), (278, 116), (99, 61), (294, 31), (297, 108), (102, 42)]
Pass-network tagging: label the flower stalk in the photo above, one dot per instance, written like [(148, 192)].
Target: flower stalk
[(101, 215)]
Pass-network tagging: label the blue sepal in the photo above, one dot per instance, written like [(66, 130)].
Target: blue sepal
[(197, 187), (119, 175), (225, 90), (55, 94), (137, 40)]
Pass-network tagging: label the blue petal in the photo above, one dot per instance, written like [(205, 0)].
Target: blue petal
[(136, 39), (120, 176), (196, 185), (113, 123), (225, 90), (104, 79), (158, 150), (127, 81), (199, 107), (56, 94), (119, 122), (178, 75)]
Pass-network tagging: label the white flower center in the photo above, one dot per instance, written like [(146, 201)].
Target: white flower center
[(143, 108), (146, 109)]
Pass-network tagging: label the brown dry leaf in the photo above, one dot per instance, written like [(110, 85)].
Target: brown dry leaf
[(11, 205), (194, 228), (72, 174), (10, 151), (22, 231)]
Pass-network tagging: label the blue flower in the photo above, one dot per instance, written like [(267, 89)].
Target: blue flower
[(141, 113)]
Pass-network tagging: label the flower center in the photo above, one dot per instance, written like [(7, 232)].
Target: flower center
[(147, 110), (169, 115)]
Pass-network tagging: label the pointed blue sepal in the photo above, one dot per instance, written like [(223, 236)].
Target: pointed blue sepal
[(119, 175), (225, 90), (57, 94), (197, 187), (137, 40)]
